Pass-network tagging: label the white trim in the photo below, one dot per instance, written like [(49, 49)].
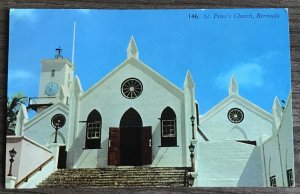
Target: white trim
[(289, 103), (28, 140), (56, 61), (284, 112), (95, 129), (240, 100), (138, 64), (58, 106), (169, 129)]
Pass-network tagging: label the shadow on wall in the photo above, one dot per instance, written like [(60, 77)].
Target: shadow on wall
[(237, 133), (252, 175), (102, 154), (76, 149), (155, 140), (60, 138)]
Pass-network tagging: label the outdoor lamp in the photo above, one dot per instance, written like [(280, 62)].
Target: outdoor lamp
[(190, 180), (193, 120), (12, 154), (191, 148)]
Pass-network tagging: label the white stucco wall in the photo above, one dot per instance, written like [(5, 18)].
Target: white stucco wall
[(38, 177), (272, 164), (229, 164), (40, 129), (106, 98), (217, 127), (16, 143), (29, 156), (63, 68), (286, 141), (278, 150)]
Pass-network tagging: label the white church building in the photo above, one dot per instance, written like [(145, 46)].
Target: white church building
[(135, 117)]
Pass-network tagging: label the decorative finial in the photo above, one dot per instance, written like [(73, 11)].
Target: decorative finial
[(276, 112), (188, 82), (58, 53), (233, 87), (132, 50)]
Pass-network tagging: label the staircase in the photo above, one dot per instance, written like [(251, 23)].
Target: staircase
[(118, 177)]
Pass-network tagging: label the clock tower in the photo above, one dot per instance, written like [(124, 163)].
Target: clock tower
[(56, 75)]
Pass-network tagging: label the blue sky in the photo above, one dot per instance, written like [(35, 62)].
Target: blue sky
[(214, 45)]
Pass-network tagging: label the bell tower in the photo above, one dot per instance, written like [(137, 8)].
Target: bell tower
[(56, 76)]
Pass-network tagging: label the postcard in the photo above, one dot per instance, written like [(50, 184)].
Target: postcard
[(149, 98)]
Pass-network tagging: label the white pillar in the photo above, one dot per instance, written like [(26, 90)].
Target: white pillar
[(54, 147), (195, 143), (10, 182)]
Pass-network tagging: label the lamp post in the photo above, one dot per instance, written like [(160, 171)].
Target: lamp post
[(193, 132), (12, 154), (192, 148), (190, 180)]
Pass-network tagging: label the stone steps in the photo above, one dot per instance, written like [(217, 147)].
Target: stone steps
[(118, 177)]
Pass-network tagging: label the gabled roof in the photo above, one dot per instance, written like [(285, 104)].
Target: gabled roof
[(140, 65), (132, 59), (238, 99), (57, 106), (233, 96)]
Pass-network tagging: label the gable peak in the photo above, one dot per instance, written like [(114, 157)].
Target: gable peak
[(188, 82), (233, 87), (276, 112), (276, 108), (132, 50)]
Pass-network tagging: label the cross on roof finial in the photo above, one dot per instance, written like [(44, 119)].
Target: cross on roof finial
[(58, 53)]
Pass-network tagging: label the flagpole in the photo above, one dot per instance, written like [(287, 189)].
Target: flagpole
[(73, 49)]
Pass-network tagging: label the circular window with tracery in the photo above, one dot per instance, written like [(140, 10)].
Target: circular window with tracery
[(235, 115), (131, 88)]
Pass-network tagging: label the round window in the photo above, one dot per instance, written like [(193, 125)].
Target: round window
[(235, 115), (131, 88)]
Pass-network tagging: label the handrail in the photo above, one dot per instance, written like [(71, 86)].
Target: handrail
[(32, 99), (42, 97), (202, 134), (39, 168)]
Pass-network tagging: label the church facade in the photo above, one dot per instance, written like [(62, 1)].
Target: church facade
[(135, 117)]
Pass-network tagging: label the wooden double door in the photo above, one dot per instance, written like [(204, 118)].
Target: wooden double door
[(130, 146)]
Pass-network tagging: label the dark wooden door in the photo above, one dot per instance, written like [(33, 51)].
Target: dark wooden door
[(146, 145), (114, 146), (62, 157)]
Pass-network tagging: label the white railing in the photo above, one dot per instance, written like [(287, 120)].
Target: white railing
[(42, 100)]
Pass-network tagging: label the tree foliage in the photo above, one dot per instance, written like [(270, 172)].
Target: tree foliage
[(13, 106)]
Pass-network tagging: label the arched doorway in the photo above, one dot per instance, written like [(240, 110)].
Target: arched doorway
[(130, 144), (130, 135), (131, 118)]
